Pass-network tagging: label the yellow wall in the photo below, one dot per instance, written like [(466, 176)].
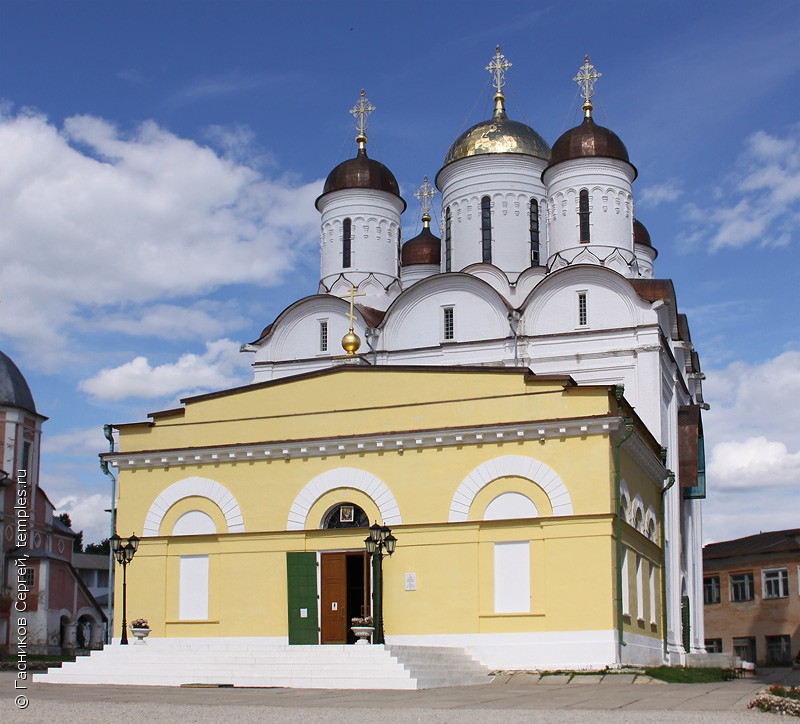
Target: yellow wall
[(572, 558)]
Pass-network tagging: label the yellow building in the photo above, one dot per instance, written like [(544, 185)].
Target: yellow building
[(510, 495)]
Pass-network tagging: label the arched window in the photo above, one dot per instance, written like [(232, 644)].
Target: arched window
[(448, 242), (345, 515), (535, 233), (347, 227), (583, 213), (486, 229)]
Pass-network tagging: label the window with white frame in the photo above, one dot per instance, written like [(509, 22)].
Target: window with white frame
[(323, 335), (711, 593), (583, 310), (775, 583), (742, 587), (448, 323), (27, 577), (448, 240)]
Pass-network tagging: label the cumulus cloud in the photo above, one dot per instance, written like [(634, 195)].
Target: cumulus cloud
[(657, 194), (220, 367), (88, 514), (95, 218), (77, 442), (759, 202), (753, 427)]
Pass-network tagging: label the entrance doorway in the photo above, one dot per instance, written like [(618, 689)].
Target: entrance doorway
[(345, 584)]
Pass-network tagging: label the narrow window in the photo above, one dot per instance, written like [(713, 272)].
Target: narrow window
[(711, 593), (486, 229), (448, 327), (399, 245), (582, 310), (346, 238), (534, 232), (639, 589), (653, 570), (323, 336), (448, 243), (625, 593), (583, 212)]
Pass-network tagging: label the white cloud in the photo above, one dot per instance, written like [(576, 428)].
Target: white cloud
[(657, 194), (88, 514), (220, 367), (753, 428), (203, 320), (78, 442), (754, 463), (760, 201), (94, 218)]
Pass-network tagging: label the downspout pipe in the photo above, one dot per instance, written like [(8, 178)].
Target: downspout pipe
[(670, 482), (618, 393), (109, 435)]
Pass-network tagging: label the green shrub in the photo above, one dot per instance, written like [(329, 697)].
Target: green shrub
[(685, 674)]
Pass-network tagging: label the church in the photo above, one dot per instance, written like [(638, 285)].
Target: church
[(518, 402)]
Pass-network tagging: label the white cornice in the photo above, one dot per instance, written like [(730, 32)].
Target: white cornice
[(360, 444)]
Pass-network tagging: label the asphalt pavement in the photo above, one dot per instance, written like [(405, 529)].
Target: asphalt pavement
[(510, 698)]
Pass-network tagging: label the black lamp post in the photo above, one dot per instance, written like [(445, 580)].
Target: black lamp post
[(380, 539), (124, 555)]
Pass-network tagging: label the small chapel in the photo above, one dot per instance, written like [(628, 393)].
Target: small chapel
[(515, 405)]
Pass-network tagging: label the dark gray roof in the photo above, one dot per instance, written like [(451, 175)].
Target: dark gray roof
[(14, 390), (775, 541)]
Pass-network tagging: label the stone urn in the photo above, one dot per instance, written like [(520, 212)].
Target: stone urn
[(141, 633), (363, 634)]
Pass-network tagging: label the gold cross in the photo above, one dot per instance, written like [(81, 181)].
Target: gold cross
[(361, 110), (424, 195), (586, 78), (352, 295), (498, 66)]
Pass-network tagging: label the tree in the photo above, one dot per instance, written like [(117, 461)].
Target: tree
[(77, 541), (102, 547)]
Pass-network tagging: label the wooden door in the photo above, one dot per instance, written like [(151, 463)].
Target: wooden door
[(301, 578), (333, 604)]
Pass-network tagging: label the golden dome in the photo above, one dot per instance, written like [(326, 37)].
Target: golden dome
[(498, 135), (351, 342)]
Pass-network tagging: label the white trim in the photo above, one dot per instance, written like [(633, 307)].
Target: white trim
[(505, 465), (188, 487), (361, 480), (321, 447)]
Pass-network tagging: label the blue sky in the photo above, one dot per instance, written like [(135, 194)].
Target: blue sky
[(159, 162)]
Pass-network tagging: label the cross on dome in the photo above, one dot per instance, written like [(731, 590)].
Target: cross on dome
[(497, 67), (361, 111), (586, 78), (425, 195)]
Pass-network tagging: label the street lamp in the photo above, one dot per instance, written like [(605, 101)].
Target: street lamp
[(380, 538), (124, 555)]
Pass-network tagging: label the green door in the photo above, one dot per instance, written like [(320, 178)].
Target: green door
[(301, 579)]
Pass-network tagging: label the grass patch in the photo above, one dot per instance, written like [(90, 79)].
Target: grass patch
[(685, 674)]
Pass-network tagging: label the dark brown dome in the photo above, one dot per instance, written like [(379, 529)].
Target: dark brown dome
[(588, 141), (640, 234), (422, 249), (361, 172)]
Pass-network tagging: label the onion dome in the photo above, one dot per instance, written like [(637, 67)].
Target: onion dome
[(642, 236), (14, 390), (589, 140), (425, 248), (498, 135), (361, 172)]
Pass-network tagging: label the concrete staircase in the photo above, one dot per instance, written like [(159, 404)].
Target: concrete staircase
[(166, 662)]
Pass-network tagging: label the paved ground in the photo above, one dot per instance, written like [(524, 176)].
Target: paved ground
[(519, 698)]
